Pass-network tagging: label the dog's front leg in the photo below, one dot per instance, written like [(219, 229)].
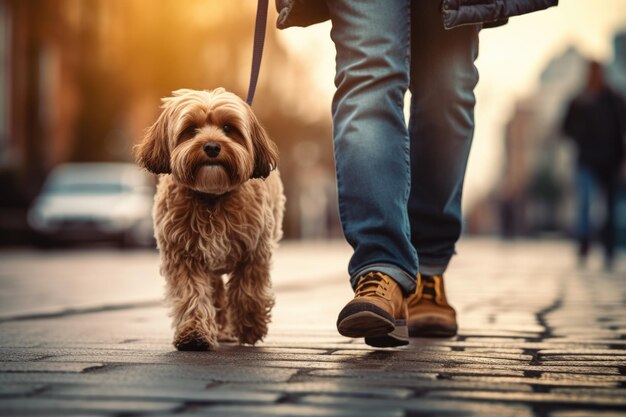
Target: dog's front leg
[(221, 315), (190, 294), (250, 299)]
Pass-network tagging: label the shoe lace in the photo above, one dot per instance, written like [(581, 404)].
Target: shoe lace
[(433, 288), (373, 283)]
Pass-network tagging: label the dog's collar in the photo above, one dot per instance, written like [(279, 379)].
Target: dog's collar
[(209, 198)]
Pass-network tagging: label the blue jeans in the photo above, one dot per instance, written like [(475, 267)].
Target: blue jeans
[(400, 187), (585, 183), (588, 185)]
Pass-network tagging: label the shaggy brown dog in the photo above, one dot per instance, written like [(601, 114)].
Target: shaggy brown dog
[(218, 211)]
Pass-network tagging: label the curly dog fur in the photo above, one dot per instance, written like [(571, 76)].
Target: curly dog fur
[(217, 214)]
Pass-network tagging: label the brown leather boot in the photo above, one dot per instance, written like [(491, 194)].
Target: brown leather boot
[(430, 315), (378, 312)]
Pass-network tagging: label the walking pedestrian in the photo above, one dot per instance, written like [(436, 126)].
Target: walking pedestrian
[(400, 187), (595, 121)]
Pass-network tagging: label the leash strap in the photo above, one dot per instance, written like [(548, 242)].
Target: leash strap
[(257, 49)]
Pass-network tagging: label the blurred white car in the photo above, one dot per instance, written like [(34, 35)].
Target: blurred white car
[(94, 202)]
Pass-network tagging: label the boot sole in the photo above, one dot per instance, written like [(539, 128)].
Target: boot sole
[(432, 327), (398, 337), (374, 324), (365, 324)]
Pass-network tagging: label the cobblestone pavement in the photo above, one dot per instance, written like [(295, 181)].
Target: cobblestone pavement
[(83, 333)]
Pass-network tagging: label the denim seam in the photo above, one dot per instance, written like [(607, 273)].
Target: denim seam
[(407, 146)]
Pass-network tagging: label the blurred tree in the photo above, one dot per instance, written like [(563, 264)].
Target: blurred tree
[(87, 76)]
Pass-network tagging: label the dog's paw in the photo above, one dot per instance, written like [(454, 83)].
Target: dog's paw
[(226, 337), (251, 335), (194, 342)]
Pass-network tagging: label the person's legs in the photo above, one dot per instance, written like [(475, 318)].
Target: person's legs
[(370, 136), (441, 126), (585, 189), (609, 185)]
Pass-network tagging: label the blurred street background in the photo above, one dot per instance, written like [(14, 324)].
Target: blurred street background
[(541, 333), (81, 80)]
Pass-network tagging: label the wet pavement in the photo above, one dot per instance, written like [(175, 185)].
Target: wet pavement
[(84, 333)]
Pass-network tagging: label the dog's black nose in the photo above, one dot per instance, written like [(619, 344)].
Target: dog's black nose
[(212, 149)]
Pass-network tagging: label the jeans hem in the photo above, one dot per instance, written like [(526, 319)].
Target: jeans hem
[(433, 269), (436, 261), (407, 282)]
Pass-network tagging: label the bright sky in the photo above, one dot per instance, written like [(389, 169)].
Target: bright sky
[(511, 58)]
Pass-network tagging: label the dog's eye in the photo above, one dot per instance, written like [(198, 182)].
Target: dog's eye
[(189, 132), (228, 129)]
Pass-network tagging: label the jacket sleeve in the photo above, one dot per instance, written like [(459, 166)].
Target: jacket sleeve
[(470, 12), (620, 110), (300, 13)]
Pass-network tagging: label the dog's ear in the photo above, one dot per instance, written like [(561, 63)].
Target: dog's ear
[(265, 151), (153, 153)]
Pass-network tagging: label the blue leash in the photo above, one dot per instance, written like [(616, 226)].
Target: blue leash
[(257, 49)]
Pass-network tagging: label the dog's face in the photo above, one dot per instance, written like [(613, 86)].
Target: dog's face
[(210, 141)]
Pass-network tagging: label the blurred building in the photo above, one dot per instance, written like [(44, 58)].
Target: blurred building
[(537, 171), (616, 70), (81, 80)]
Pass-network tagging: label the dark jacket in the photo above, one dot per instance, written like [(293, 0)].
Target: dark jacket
[(596, 124), (453, 12)]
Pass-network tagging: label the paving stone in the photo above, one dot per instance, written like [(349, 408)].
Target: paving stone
[(58, 413), (562, 382), (614, 357), (232, 395), (213, 373), (372, 374), (351, 387), (71, 406), (297, 364), (531, 397), (531, 328), (424, 405), (152, 346), (585, 370), (550, 376), (498, 340), (295, 410), (281, 360), (101, 379), (481, 357), (614, 343), (511, 351), (284, 351), (49, 366), (346, 344), (578, 333), (379, 387), (584, 363), (458, 370), (19, 355), (14, 390), (469, 332), (612, 392), (573, 351), (547, 347), (587, 413)]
